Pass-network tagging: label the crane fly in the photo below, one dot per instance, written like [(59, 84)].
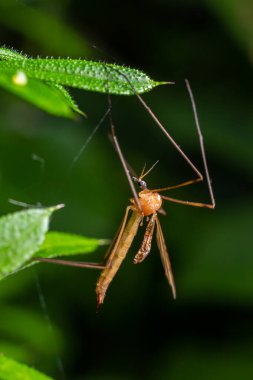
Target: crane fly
[(144, 205), (150, 202)]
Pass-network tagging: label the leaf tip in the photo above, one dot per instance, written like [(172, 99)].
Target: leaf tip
[(161, 83), (55, 208), (58, 207), (80, 114)]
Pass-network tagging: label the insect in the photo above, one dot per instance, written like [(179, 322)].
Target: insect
[(144, 206), (150, 202)]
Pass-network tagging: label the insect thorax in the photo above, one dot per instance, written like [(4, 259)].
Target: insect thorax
[(150, 202)]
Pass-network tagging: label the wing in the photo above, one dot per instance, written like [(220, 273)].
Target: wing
[(114, 244), (165, 257)]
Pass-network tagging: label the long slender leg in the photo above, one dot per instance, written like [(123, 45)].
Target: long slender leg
[(182, 184), (122, 159), (165, 257), (201, 142), (78, 264), (189, 203), (157, 121), (121, 156), (187, 159), (202, 147), (110, 252)]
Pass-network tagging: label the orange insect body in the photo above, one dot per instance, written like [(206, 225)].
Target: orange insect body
[(150, 202)]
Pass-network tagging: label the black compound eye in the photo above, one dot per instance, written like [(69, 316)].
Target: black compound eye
[(142, 184)]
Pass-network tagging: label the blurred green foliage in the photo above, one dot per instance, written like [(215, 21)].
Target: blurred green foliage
[(140, 332), (12, 370)]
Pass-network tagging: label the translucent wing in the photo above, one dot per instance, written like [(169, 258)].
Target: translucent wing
[(115, 242), (165, 257)]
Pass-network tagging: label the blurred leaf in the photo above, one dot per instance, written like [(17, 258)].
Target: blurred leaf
[(51, 98), (238, 17), (62, 244), (10, 289), (110, 376), (31, 23), (221, 266), (14, 350), (231, 360), (20, 324), (12, 370), (21, 234)]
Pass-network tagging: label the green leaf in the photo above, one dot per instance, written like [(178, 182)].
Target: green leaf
[(51, 98), (40, 81), (21, 234), (66, 98), (87, 75), (10, 54), (63, 244), (12, 370)]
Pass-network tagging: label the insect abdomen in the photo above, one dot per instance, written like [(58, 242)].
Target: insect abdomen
[(117, 257)]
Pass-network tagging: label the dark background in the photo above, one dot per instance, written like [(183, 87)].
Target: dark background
[(48, 317)]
